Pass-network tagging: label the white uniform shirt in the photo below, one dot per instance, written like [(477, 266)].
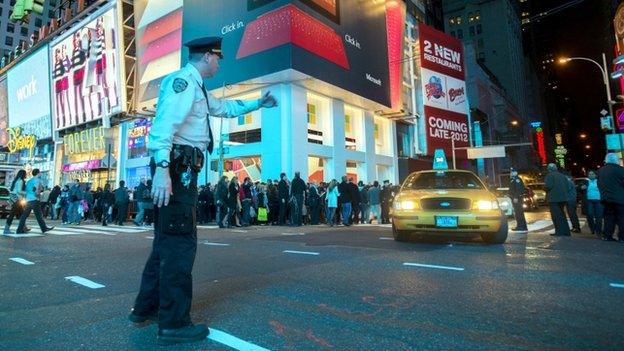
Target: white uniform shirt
[(182, 111)]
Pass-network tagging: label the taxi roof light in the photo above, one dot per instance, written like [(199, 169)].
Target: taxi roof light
[(439, 160)]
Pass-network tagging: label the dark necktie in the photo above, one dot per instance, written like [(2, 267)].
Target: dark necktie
[(211, 142)]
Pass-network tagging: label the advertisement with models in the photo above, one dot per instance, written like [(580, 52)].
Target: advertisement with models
[(354, 45), (87, 81), (29, 96), (444, 91)]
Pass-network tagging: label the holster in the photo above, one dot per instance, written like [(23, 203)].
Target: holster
[(185, 156)]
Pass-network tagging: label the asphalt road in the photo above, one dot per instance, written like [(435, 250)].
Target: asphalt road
[(321, 288)]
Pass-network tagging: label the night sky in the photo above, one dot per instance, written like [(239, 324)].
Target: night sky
[(582, 30)]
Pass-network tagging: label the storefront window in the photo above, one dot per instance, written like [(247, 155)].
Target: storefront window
[(137, 139), (312, 114), (348, 129), (243, 167), (245, 119), (319, 120)]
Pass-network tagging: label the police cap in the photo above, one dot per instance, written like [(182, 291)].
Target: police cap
[(204, 45)]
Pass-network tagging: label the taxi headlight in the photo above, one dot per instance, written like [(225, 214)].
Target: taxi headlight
[(404, 205), (485, 205)]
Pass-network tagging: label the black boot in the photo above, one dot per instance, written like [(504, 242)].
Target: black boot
[(190, 333)]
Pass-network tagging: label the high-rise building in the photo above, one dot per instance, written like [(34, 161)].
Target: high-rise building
[(12, 34), (493, 28)]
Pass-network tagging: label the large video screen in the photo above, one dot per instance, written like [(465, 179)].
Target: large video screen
[(342, 42), (86, 74), (158, 45), (29, 95), (4, 112)]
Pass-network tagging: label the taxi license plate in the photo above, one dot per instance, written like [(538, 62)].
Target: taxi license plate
[(446, 222)]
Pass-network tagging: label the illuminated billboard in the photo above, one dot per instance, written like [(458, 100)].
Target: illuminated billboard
[(351, 44), (87, 79), (29, 95), (444, 91), (4, 112), (158, 45)]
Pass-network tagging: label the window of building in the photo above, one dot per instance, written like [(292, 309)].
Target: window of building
[(479, 29), (452, 21), (458, 20), (38, 23), (9, 41), (470, 17), (245, 119), (377, 133), (0, 11), (481, 57), (24, 30), (480, 43), (10, 27), (51, 14), (453, 33), (471, 30), (477, 17), (312, 114), (348, 128), (460, 34)]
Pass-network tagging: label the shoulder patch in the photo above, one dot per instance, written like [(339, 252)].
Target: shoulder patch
[(240, 102), (179, 85)]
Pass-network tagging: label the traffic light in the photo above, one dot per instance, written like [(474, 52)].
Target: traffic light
[(35, 6), (19, 11)]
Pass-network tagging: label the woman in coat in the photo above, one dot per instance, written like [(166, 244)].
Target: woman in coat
[(222, 202), (107, 200), (332, 201), (234, 201)]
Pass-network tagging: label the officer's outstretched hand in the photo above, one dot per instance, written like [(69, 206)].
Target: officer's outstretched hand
[(161, 187), (268, 100)]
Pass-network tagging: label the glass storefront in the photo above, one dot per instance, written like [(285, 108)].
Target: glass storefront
[(136, 153)]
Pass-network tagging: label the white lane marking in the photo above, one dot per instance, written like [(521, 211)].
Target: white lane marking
[(301, 252), (22, 235), (82, 231), (293, 234), (616, 285), (433, 266), (21, 260), (58, 232), (386, 238), (232, 341), (117, 229), (149, 237), (539, 225), (84, 282), (216, 244), (208, 226), (238, 231)]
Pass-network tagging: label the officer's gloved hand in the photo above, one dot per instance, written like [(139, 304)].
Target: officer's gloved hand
[(268, 100), (161, 187)]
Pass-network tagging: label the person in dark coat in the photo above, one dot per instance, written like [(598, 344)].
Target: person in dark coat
[(571, 206), (274, 203), (121, 202), (557, 197), (233, 202), (354, 195), (107, 200), (344, 200), (222, 202), (314, 202), (386, 200), (611, 186), (54, 195), (202, 205), (516, 192), (298, 189), (283, 195), (210, 204)]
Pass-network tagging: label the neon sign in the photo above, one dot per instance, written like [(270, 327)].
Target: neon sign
[(541, 147), (18, 142), (85, 141)]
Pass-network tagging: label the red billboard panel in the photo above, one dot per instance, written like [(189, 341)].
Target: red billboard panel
[(444, 91)]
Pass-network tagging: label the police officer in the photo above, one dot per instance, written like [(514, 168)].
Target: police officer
[(516, 192), (179, 135)]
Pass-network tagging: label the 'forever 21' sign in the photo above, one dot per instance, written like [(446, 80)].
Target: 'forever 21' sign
[(85, 141)]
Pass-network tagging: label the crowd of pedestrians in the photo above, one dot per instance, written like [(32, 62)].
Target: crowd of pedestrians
[(294, 202)]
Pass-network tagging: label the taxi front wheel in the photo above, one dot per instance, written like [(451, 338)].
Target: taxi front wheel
[(498, 237), (400, 235)]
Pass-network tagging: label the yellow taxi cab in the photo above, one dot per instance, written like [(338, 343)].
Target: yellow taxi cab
[(447, 203)]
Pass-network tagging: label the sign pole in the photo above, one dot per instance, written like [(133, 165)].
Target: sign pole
[(453, 149)]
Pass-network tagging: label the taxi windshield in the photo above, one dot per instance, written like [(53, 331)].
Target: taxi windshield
[(443, 180)]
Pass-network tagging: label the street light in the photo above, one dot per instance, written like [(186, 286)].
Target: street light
[(583, 136), (514, 123), (605, 76)]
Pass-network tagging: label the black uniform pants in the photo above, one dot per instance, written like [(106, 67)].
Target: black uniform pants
[(122, 212), (521, 223), (298, 215), (559, 218), (282, 211), (613, 215), (314, 214), (385, 213), (167, 283)]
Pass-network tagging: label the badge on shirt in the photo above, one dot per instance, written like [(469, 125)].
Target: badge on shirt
[(179, 85)]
